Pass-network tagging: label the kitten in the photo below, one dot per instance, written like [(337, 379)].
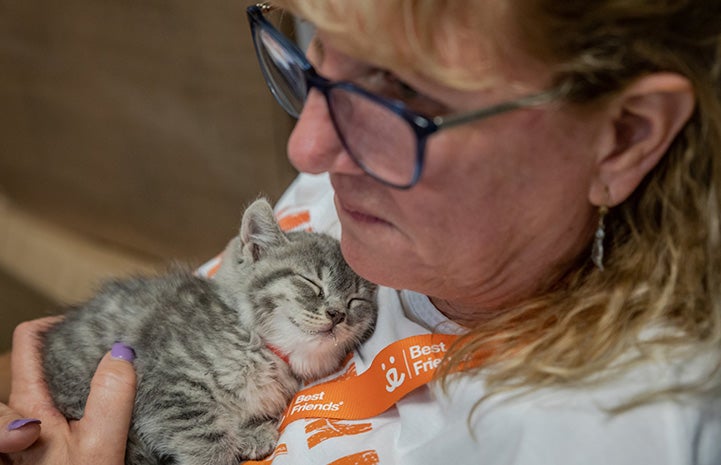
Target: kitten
[(218, 360)]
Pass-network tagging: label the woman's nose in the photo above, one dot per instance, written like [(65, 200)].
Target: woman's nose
[(314, 146)]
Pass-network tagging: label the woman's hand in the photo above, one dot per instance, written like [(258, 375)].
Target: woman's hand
[(99, 437)]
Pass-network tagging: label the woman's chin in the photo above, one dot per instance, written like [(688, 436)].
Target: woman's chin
[(372, 262)]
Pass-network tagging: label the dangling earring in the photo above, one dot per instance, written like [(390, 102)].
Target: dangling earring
[(597, 250)]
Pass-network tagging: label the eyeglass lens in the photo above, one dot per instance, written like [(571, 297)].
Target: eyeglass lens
[(285, 76), (379, 140)]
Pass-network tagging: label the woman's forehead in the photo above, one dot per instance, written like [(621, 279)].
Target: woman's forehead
[(456, 57)]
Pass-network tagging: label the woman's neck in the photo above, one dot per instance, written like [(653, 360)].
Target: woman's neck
[(466, 316)]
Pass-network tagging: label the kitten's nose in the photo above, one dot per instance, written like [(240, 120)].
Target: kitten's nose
[(336, 316)]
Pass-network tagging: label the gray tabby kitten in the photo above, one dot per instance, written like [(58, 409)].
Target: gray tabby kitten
[(218, 360)]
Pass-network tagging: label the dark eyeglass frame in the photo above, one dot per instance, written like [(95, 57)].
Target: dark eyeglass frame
[(421, 125)]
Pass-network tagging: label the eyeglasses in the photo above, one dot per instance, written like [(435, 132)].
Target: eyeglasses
[(382, 135)]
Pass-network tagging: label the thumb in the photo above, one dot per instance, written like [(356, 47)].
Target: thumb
[(109, 407), (16, 433)]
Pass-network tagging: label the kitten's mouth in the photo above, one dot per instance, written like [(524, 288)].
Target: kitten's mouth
[(316, 328), (323, 335), (324, 331)]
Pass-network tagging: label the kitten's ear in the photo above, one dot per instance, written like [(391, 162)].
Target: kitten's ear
[(259, 231)]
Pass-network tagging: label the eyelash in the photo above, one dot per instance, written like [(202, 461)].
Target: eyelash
[(389, 85), (407, 92)]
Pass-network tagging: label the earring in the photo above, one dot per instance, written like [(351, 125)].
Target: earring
[(597, 250)]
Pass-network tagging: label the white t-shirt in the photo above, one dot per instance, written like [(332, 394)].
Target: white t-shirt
[(550, 426)]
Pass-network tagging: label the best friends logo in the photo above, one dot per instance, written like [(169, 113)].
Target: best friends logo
[(313, 403), (417, 359)]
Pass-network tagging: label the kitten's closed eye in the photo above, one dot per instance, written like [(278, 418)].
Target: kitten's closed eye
[(316, 288), (357, 302)]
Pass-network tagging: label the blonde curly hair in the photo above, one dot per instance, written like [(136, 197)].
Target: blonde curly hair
[(663, 261)]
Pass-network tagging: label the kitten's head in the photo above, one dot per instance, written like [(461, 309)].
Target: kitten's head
[(306, 301)]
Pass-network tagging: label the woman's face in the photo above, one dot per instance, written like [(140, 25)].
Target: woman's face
[(501, 204)]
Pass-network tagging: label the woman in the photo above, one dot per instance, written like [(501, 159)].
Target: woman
[(542, 178)]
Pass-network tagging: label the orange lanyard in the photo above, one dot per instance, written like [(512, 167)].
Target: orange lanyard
[(395, 371)]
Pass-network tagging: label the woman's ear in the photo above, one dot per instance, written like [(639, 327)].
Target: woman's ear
[(645, 119)]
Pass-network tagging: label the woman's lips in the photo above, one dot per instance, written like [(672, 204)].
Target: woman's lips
[(355, 199), (365, 218), (358, 214)]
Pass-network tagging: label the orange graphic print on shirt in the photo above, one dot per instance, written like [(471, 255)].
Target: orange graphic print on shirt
[(323, 429), (291, 221), (368, 457)]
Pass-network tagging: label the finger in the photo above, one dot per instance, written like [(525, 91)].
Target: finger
[(110, 404), (16, 433), (29, 393)]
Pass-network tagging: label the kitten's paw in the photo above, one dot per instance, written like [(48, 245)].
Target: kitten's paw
[(260, 442)]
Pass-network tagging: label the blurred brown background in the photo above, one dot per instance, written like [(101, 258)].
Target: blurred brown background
[(131, 133)]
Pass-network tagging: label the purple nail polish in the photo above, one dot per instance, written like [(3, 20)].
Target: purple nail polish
[(17, 424), (122, 352)]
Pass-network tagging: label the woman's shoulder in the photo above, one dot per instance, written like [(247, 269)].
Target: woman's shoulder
[(600, 422)]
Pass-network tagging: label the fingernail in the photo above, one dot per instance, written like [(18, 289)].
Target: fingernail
[(122, 352), (17, 424)]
